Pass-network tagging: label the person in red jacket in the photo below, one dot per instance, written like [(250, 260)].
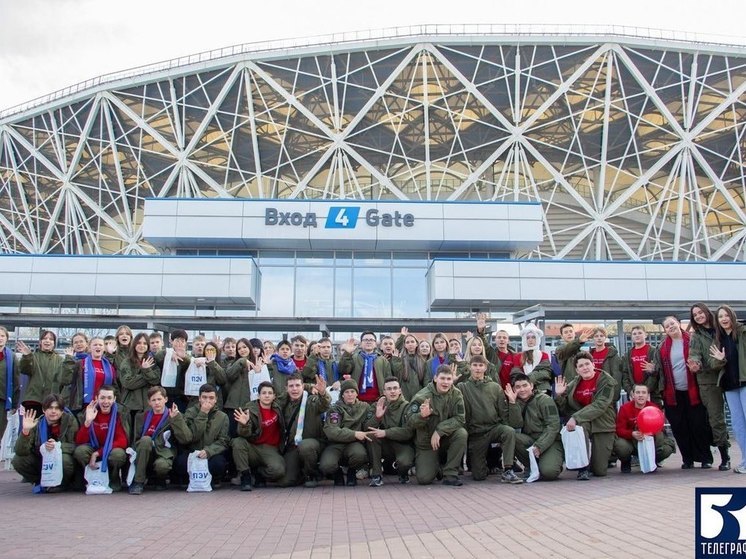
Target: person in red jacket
[(102, 438), (628, 434)]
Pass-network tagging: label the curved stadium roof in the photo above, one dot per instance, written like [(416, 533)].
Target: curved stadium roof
[(634, 145)]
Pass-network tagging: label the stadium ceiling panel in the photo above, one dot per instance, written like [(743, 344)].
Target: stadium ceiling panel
[(636, 152)]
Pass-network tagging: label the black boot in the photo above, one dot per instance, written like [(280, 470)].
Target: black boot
[(724, 459), (246, 480), (351, 477), (339, 478)]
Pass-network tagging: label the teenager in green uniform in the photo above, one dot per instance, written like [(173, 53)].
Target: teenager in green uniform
[(152, 442), (345, 431), (438, 417), (588, 401), (137, 376), (302, 412), (121, 353), (536, 418), (203, 428), (44, 368), (707, 372), (10, 380), (412, 378), (391, 435), (487, 422), (388, 350), (321, 363), (260, 440), (367, 367), (55, 425), (569, 348)]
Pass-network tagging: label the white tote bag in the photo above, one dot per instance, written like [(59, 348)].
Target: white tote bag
[(170, 370), (255, 379), (51, 465), (646, 454), (535, 474), (200, 478), (98, 481), (8, 443), (194, 378), (576, 453)]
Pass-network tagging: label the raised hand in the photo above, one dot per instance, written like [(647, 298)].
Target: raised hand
[(91, 412), (29, 421), (718, 354), (69, 351), (349, 346), (560, 386), (23, 348), (200, 362), (174, 411), (242, 416), (147, 362), (404, 331), (218, 341), (320, 385), (381, 407), (111, 346), (425, 410), (586, 335), (510, 394), (481, 322)]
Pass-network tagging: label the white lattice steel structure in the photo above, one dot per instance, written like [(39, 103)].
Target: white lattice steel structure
[(635, 146)]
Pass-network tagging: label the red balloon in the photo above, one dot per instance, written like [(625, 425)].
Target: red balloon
[(650, 420)]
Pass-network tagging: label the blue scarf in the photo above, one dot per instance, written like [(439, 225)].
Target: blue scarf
[(9, 388), (368, 359), (323, 374), (149, 418), (109, 438), (89, 377), (285, 366), (43, 430), (80, 355), (435, 363)]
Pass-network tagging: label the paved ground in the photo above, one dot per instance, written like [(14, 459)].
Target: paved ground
[(566, 518)]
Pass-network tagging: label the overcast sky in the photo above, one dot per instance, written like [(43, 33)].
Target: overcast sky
[(46, 45)]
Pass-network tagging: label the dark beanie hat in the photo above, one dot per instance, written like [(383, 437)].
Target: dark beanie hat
[(348, 384)]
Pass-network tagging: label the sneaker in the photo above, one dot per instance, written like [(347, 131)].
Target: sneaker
[(362, 473), (626, 466), (376, 481), (310, 482), (452, 480), (136, 488), (509, 476), (584, 475), (740, 469), (403, 479), (687, 465), (351, 478), (216, 485), (160, 485), (517, 468), (245, 481), (236, 480), (706, 465), (339, 478)]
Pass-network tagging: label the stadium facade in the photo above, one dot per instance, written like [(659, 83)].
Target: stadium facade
[(629, 151)]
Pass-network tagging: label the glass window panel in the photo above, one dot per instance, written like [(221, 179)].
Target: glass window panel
[(283, 258), (410, 293), (314, 295), (372, 292), (413, 260), (317, 258), (343, 292), (343, 258), (276, 295), (373, 259)]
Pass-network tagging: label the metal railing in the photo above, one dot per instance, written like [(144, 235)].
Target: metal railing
[(469, 29)]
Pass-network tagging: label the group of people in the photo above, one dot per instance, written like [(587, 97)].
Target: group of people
[(295, 413)]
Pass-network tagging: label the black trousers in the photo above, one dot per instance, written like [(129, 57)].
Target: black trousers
[(691, 429)]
